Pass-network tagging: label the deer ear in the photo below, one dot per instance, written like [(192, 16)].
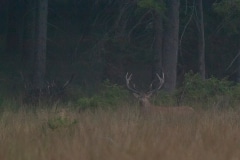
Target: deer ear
[(136, 95)]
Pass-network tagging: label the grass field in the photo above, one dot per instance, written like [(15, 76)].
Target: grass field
[(118, 135)]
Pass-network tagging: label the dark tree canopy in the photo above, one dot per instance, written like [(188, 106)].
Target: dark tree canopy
[(103, 39)]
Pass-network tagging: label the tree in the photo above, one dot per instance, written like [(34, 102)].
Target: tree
[(30, 38), (170, 44), (229, 11), (158, 39), (156, 8), (201, 39), (4, 7), (41, 41), (158, 43)]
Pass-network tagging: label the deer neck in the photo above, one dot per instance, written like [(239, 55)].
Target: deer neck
[(145, 104)]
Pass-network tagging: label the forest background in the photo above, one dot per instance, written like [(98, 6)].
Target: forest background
[(62, 79), (88, 45)]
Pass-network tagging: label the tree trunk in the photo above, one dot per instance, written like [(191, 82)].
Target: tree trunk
[(4, 24), (238, 65), (40, 68), (30, 39), (170, 45), (158, 27), (201, 39), (12, 25), (20, 27)]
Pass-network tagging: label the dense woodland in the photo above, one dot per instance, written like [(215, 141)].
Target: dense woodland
[(66, 65), (50, 44)]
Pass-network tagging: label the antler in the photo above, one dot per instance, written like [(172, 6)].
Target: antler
[(128, 79), (68, 82), (161, 82)]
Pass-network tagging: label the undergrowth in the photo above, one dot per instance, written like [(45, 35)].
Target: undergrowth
[(109, 95), (208, 93), (194, 92)]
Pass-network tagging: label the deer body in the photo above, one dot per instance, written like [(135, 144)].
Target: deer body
[(147, 107), (181, 110)]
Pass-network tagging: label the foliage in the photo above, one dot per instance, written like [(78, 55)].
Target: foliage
[(114, 35), (112, 39), (210, 92), (198, 93), (165, 99), (152, 4), (227, 6), (229, 10), (60, 122), (109, 95)]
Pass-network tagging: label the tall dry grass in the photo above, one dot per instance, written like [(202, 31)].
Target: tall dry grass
[(118, 135)]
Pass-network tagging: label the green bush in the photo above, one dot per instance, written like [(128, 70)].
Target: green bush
[(60, 122), (109, 95), (165, 99), (211, 92)]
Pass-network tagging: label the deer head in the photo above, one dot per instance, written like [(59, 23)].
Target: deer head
[(142, 96), (146, 106)]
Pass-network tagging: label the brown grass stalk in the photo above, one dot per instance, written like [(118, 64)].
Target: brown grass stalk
[(118, 135)]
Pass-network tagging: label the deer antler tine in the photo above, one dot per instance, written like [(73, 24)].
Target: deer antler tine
[(161, 79), (128, 78), (163, 76), (161, 82)]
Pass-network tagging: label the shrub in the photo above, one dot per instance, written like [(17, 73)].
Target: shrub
[(60, 122), (165, 99), (109, 95), (209, 92)]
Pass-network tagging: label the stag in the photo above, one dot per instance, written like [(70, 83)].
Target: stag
[(146, 106)]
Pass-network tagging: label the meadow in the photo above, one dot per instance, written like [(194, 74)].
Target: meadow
[(119, 134), (107, 125)]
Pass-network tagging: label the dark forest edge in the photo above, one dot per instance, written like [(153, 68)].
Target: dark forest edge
[(104, 39), (209, 94)]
